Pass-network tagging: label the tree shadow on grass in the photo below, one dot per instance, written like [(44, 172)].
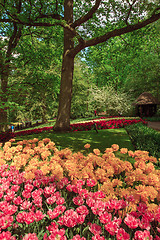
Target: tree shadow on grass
[(76, 140)]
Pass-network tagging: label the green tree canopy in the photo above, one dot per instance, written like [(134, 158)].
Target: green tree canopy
[(85, 24)]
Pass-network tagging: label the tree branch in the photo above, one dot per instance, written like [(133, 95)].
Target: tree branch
[(129, 12), (53, 16), (114, 33), (86, 17)]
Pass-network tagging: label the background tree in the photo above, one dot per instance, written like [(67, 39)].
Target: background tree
[(143, 63), (35, 82), (128, 62), (107, 99), (10, 33), (85, 24), (82, 80)]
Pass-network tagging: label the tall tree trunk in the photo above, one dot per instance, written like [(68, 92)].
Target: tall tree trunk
[(3, 98), (64, 109), (44, 109)]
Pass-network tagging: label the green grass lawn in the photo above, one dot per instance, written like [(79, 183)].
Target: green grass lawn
[(76, 140)]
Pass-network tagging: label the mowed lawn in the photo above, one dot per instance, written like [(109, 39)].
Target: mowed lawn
[(76, 140)]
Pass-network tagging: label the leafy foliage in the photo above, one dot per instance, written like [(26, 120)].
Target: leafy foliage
[(145, 138), (108, 100)]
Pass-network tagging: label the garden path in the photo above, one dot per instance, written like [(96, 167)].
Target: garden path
[(154, 125)]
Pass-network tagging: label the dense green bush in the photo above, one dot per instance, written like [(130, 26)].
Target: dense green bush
[(155, 118), (145, 138)]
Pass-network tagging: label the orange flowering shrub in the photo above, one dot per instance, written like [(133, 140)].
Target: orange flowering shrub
[(115, 177)]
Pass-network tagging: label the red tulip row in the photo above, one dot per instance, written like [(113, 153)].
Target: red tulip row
[(101, 124)]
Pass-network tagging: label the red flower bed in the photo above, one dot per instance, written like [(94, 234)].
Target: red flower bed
[(101, 124)]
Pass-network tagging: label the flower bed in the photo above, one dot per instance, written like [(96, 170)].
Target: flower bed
[(85, 126), (103, 124), (50, 194)]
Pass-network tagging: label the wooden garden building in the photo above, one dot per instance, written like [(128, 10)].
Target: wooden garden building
[(146, 105)]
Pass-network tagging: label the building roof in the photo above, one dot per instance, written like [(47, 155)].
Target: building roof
[(145, 99)]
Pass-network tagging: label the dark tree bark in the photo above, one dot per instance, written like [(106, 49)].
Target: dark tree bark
[(4, 72), (70, 51), (64, 109), (3, 99)]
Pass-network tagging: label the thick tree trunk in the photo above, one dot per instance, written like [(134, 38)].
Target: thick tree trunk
[(3, 99), (64, 109)]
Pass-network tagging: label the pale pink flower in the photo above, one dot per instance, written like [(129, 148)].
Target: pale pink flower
[(83, 193), (131, 221), (91, 182), (69, 219), (26, 194), (98, 208), (10, 210), (140, 235), (60, 201), (26, 205), (105, 217), (6, 221), (78, 200), (56, 211), (82, 210), (122, 234), (28, 187), (36, 193), (95, 228), (78, 237), (6, 236), (112, 228), (39, 215), (21, 216), (30, 236), (17, 200), (98, 237), (9, 195), (51, 200), (29, 218)]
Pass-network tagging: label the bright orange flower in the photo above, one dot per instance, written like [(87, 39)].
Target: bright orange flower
[(152, 207), (116, 182), (115, 147), (131, 153), (87, 145), (29, 175), (149, 168), (45, 154), (123, 150), (12, 140), (96, 151), (152, 159), (46, 140)]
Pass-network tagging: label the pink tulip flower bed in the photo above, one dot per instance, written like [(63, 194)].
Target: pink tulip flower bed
[(47, 194), (47, 209)]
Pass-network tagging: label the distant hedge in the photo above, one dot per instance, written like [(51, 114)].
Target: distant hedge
[(144, 138)]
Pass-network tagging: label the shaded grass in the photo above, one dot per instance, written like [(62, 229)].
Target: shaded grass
[(76, 140)]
